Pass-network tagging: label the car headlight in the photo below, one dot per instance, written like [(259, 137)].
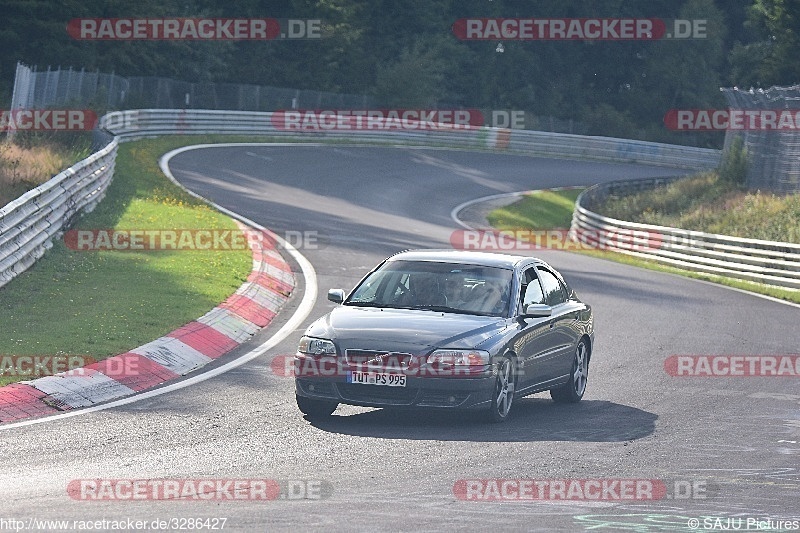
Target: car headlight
[(314, 346), (460, 357)]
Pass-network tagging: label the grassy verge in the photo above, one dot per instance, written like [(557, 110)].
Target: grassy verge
[(541, 210), (25, 165), (706, 202), (548, 209), (99, 304)]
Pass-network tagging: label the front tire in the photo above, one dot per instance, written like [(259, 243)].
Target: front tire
[(572, 391), (503, 393), (315, 408)]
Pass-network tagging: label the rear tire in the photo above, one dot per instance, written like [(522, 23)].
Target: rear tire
[(315, 408), (572, 391)]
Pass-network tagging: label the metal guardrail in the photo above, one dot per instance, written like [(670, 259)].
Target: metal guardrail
[(151, 122), (768, 262), (143, 123), (29, 224)]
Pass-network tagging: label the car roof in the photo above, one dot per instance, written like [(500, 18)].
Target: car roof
[(489, 259)]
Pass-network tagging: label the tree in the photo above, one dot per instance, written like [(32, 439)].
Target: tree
[(772, 58)]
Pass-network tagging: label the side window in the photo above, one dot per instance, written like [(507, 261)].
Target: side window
[(531, 290), (554, 292)]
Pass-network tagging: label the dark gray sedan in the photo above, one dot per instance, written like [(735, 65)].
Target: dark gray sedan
[(451, 330)]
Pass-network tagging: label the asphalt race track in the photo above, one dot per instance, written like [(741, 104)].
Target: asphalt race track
[(735, 441)]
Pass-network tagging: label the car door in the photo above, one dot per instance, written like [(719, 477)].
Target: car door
[(562, 337), (534, 338)]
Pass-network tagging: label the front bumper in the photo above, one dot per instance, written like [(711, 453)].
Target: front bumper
[(453, 392)]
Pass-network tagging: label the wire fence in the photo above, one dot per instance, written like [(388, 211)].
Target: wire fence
[(774, 154), (50, 88), (67, 87)]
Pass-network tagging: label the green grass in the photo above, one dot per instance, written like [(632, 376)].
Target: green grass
[(541, 210), (550, 206), (100, 304)]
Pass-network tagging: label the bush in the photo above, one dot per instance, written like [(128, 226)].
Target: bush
[(733, 167)]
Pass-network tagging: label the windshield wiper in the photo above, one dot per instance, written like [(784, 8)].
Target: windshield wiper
[(436, 308), (364, 304)]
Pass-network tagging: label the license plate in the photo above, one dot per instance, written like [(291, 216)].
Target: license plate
[(377, 378)]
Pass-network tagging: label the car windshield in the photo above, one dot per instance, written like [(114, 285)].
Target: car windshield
[(447, 287)]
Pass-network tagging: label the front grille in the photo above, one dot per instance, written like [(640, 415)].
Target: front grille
[(377, 359), (377, 393)]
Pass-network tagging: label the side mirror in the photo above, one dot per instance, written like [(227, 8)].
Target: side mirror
[(336, 295), (537, 311)]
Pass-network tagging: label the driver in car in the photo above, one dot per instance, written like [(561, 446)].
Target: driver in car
[(423, 289), (457, 290)]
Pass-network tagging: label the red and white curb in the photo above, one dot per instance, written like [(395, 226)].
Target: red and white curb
[(184, 350)]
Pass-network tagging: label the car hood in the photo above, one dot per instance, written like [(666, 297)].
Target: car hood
[(403, 330)]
